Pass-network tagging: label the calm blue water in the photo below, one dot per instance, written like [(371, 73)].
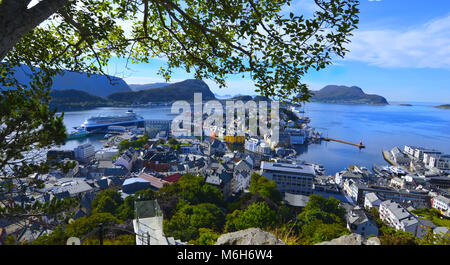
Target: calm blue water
[(378, 127)]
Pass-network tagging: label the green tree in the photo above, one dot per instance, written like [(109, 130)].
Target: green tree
[(257, 215), (193, 189), (106, 201), (265, 187), (84, 225), (207, 237), (188, 219), (56, 237), (317, 231)]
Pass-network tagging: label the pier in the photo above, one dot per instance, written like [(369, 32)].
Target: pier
[(360, 145)]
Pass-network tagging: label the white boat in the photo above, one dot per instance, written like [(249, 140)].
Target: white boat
[(101, 123)]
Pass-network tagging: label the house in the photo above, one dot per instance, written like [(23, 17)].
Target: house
[(442, 204), (132, 185), (161, 161), (241, 176), (127, 159), (155, 183), (398, 183), (71, 186), (217, 148), (371, 200), (359, 223), (222, 181)]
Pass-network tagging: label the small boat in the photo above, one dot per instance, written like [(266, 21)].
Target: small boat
[(77, 134)]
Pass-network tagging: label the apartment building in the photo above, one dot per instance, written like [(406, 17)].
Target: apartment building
[(291, 178)]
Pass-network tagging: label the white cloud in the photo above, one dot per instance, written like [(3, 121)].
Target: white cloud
[(425, 46)]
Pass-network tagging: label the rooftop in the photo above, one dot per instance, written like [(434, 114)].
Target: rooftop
[(290, 168)]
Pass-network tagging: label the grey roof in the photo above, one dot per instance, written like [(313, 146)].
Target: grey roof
[(357, 216), (403, 215), (296, 200), (372, 197), (289, 168)]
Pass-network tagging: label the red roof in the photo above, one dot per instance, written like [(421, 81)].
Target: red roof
[(173, 178), (154, 181)]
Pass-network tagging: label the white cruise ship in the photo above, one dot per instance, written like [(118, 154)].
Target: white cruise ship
[(101, 123)]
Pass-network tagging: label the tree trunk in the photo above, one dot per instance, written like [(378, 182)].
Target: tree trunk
[(16, 20)]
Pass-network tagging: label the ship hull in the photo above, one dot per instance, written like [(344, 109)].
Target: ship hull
[(103, 128)]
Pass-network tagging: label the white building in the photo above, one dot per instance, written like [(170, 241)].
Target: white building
[(427, 157), (399, 218), (241, 176), (419, 153), (398, 183), (257, 146), (291, 178), (410, 149), (106, 154), (371, 200), (84, 152), (441, 162), (442, 204)]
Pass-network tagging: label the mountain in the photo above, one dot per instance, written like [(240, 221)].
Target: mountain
[(346, 95), (222, 96), (97, 85), (446, 106), (72, 100), (178, 91), (137, 87)]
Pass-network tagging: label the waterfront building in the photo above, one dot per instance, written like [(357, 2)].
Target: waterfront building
[(410, 150), (291, 178), (441, 162), (427, 157), (419, 153), (399, 157), (84, 153)]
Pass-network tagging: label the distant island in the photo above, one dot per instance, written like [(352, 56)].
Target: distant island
[(346, 95), (446, 106)]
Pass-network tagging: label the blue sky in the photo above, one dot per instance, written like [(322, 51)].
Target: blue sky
[(401, 51)]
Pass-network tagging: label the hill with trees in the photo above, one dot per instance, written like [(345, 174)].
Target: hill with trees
[(346, 95), (178, 91)]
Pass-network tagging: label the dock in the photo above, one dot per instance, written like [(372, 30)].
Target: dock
[(342, 141)]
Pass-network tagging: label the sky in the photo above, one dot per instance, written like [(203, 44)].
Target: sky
[(401, 50)]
